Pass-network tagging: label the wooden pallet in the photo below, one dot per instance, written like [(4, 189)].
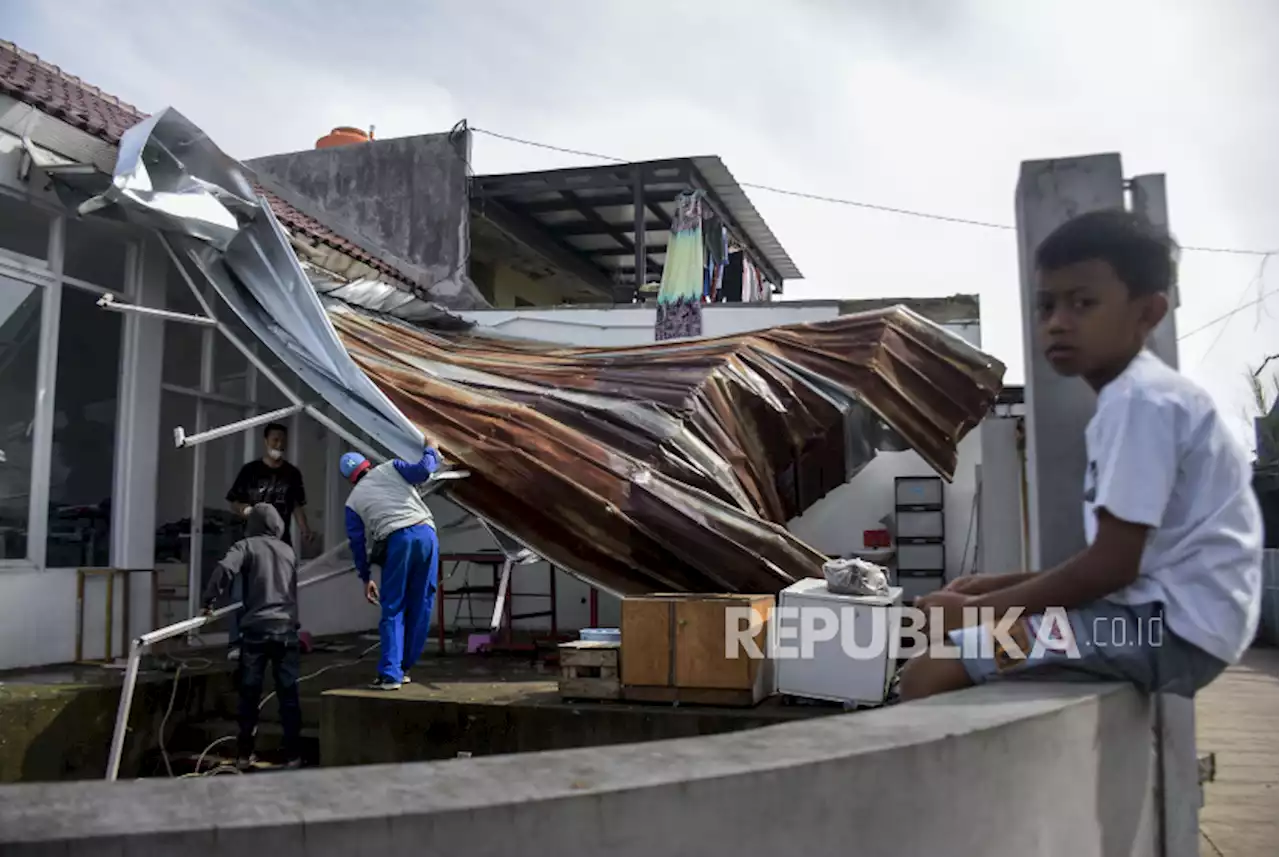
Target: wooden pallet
[(589, 670)]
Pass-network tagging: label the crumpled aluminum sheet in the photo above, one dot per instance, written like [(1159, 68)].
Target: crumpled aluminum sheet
[(675, 467), (171, 177)]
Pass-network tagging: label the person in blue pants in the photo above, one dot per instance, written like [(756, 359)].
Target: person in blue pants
[(384, 507)]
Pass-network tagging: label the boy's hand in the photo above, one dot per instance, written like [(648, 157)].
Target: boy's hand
[(951, 604), (970, 584), (371, 592)]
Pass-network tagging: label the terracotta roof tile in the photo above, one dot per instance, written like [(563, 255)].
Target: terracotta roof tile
[(49, 89)]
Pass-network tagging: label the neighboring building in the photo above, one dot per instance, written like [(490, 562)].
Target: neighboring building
[(530, 239), (89, 475)]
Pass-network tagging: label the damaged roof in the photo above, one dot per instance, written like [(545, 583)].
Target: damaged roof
[(49, 89), (675, 467)]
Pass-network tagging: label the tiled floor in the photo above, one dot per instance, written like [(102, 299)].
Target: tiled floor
[(1236, 719)]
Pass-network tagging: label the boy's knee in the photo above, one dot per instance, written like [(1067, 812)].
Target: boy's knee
[(926, 676)]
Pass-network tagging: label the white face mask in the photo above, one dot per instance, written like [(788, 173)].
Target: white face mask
[(275, 454)]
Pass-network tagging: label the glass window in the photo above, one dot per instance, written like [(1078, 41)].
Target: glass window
[(20, 306), (84, 428), (230, 368), (94, 253), (182, 341), (24, 228), (223, 459)]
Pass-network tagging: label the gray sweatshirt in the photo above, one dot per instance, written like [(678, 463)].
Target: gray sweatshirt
[(270, 570)]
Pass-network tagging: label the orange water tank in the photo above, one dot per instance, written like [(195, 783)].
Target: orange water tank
[(343, 136)]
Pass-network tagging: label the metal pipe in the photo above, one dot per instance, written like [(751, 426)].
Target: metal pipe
[(108, 301), (248, 353), (181, 439), (122, 712)]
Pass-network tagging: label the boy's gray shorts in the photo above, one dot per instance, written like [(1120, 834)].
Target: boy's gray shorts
[(1107, 641)]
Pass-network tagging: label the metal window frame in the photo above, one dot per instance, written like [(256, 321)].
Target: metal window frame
[(41, 280), (48, 275)]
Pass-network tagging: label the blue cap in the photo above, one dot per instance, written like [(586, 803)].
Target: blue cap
[(352, 464)]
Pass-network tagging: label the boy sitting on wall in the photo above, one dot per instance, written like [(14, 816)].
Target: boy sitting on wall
[(1167, 593)]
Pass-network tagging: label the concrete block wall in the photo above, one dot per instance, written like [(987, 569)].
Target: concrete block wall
[(999, 770)]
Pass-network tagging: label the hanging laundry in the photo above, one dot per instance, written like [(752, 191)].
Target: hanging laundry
[(731, 291), (685, 276)]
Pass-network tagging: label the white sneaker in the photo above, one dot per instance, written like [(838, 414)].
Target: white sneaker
[(381, 683), (233, 653)]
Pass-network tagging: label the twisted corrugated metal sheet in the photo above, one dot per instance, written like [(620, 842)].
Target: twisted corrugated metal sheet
[(674, 467)]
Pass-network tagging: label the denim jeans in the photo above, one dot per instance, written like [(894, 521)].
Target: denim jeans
[(281, 652)]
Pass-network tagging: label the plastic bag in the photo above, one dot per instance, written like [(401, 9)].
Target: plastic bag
[(855, 577)]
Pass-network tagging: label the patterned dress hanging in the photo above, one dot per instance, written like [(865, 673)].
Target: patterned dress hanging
[(680, 297)]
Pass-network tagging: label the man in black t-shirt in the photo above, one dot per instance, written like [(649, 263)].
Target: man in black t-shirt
[(270, 479)]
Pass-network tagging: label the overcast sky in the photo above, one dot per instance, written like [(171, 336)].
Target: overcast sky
[(927, 105)]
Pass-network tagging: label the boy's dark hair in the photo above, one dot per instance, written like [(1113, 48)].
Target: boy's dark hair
[(266, 432), (1143, 256)]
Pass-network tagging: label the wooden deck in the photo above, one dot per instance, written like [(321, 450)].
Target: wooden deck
[(1236, 719)]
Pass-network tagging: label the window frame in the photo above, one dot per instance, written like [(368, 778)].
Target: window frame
[(48, 276)]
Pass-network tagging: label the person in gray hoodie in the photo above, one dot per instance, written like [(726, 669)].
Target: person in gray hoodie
[(268, 569)]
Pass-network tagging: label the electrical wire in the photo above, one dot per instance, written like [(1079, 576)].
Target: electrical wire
[(261, 705), (853, 203), (1225, 316), (1256, 281)]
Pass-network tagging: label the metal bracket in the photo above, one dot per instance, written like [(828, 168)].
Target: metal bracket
[(108, 301)]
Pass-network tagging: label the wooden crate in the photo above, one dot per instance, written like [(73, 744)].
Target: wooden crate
[(589, 670), (673, 650)]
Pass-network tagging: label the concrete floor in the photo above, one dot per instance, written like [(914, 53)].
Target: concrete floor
[(1237, 720)]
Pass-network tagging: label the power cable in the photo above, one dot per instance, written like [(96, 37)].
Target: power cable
[(888, 209), (1257, 280), (1228, 315)]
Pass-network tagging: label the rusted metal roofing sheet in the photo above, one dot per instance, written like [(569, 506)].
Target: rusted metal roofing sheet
[(676, 466)]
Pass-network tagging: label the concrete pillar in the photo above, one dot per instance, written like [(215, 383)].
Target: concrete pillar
[(1148, 198), (1179, 773), (1058, 409), (133, 515)]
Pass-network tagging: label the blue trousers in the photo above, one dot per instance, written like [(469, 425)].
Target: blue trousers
[(407, 594)]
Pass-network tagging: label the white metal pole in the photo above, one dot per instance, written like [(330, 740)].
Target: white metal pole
[(122, 711), (109, 302), (182, 439)]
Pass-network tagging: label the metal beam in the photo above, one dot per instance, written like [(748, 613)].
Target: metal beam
[(592, 228), (543, 206), (629, 247), (516, 221), (641, 239), (491, 187)]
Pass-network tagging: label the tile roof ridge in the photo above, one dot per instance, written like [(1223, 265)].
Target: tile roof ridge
[(34, 59)]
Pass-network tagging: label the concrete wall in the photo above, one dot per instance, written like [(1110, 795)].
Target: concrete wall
[(407, 195), (1064, 770), (633, 325)]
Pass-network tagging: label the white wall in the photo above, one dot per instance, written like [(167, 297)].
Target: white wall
[(633, 325), (1001, 512), (835, 524)]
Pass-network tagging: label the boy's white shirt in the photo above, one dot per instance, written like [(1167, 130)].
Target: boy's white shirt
[(1160, 455)]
